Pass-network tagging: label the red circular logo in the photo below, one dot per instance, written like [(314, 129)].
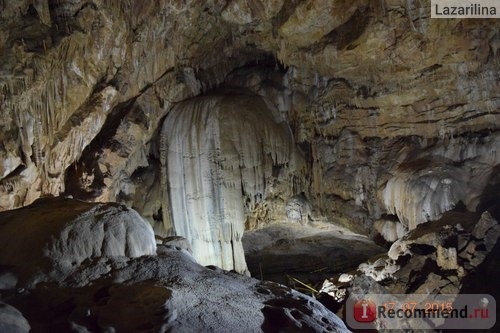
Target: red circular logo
[(365, 311)]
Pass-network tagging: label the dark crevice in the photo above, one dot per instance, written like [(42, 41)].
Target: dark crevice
[(13, 174), (390, 217), (477, 115), (284, 14), (422, 249), (88, 4), (88, 163), (346, 35), (431, 69), (490, 195), (263, 60)]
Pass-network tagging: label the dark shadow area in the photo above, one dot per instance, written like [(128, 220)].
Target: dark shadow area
[(491, 193), (484, 280), (87, 168)]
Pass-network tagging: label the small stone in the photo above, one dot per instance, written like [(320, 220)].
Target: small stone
[(380, 270), (460, 272), (363, 284), (430, 285), (446, 258), (345, 278), (491, 237), (449, 289), (462, 242), (477, 258), (398, 248), (334, 291), (177, 242), (483, 225)]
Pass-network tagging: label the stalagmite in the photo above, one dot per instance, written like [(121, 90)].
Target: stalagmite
[(218, 154)]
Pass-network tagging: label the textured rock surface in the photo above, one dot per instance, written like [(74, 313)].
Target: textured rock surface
[(63, 233), (11, 320), (163, 290), (396, 116), (220, 153), (390, 230), (364, 89), (435, 258)]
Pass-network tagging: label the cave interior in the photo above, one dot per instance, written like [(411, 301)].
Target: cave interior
[(242, 165)]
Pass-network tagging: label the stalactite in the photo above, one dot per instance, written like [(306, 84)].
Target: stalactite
[(220, 152), (166, 211), (37, 150), (4, 91)]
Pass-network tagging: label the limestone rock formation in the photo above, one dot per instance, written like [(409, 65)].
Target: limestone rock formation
[(64, 233), (117, 281), (370, 115), (365, 91), (424, 189), (390, 230), (219, 153), (435, 258)]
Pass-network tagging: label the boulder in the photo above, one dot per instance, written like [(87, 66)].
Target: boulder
[(56, 235), (11, 320), (102, 271)]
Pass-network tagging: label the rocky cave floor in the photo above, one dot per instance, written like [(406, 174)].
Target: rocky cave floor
[(84, 267), (71, 266), (295, 254)]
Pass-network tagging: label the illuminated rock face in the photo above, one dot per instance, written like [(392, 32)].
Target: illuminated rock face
[(102, 259), (67, 233), (84, 88), (218, 154), (430, 185)]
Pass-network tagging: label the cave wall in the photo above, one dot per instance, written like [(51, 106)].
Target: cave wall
[(396, 114)]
